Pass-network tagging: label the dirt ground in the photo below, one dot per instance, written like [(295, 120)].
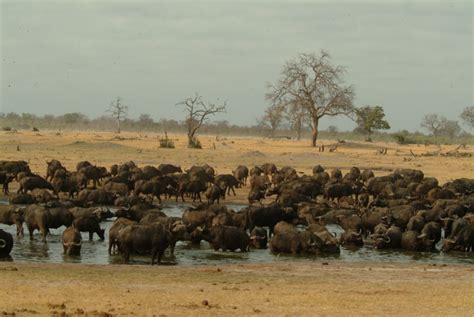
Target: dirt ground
[(345, 289), (289, 289), (105, 149)]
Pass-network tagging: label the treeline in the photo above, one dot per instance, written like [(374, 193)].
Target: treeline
[(145, 123)]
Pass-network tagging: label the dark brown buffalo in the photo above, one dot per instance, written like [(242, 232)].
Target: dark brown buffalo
[(193, 188), (21, 199), (175, 225), (269, 216), (241, 173), (259, 238), (317, 169), (255, 171), (144, 239), (37, 218), (410, 241), (72, 241), (119, 189), (214, 193), (93, 197), (337, 191), (59, 216), (10, 215), (93, 173), (416, 223), (114, 230), (351, 238), (225, 238), (5, 179), (227, 182), (294, 242), (222, 219), (256, 195), (329, 240), (89, 224), (100, 213), (390, 240), (463, 241), (269, 168), (29, 183), (14, 167), (42, 196), (53, 166), (430, 235), (166, 169), (6, 243)]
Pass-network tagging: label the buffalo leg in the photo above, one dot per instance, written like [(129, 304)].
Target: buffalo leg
[(44, 233), (91, 235)]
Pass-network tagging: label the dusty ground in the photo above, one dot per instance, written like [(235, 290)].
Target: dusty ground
[(271, 290), (104, 148), (259, 290)]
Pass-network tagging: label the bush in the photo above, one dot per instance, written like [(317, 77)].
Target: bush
[(35, 129), (166, 143), (403, 138), (195, 144), (6, 128)]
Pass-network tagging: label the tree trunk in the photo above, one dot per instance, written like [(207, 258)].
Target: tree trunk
[(118, 125), (314, 132), (298, 129), (190, 139)]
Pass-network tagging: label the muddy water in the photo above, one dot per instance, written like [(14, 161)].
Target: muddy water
[(96, 252)]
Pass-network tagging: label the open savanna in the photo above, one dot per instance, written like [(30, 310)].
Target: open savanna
[(273, 289)]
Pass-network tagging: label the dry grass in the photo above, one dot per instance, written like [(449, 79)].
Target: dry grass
[(236, 290), (104, 148)]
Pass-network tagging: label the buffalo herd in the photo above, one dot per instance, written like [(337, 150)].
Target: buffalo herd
[(287, 211)]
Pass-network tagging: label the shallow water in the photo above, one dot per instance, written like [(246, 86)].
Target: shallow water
[(96, 252)]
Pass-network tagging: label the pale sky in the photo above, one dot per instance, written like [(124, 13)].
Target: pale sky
[(411, 57)]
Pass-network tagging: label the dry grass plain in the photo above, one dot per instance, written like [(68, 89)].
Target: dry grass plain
[(290, 289)]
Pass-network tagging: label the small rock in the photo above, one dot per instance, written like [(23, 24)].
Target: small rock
[(325, 263), (205, 302)]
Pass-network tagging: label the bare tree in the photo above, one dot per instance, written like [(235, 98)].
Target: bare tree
[(272, 118), (118, 111), (297, 117), (440, 126), (450, 128), (313, 82), (467, 116), (198, 112), (433, 123)]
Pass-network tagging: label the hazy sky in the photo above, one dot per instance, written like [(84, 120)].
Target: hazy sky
[(411, 57)]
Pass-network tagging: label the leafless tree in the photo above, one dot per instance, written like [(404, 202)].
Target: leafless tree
[(312, 82), (198, 112), (118, 111), (433, 123), (297, 117), (467, 116), (272, 118)]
